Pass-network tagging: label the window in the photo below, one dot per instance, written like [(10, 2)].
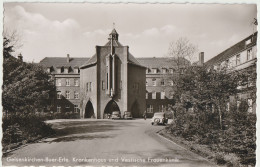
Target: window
[(162, 108), (250, 105), (248, 41), (249, 54), (162, 83), (67, 82), (171, 82), (48, 70), (238, 103), (59, 70), (237, 59), (164, 70), (76, 108), (146, 83), (155, 70), (76, 82), (162, 95), (67, 106), (171, 70), (154, 95), (228, 106), (227, 63), (67, 94), (149, 109), (88, 86), (58, 95), (58, 108), (76, 95), (66, 70), (58, 82), (103, 85), (154, 82), (146, 96), (76, 70)]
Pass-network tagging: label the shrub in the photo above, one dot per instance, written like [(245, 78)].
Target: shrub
[(26, 128)]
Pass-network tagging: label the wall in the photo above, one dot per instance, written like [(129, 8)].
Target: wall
[(88, 75), (136, 94)]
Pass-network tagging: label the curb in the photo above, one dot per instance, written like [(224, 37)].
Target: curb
[(184, 147), (26, 144)]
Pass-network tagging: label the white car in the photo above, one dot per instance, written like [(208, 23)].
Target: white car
[(159, 118)]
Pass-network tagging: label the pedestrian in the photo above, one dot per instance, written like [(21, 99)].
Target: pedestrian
[(144, 115)]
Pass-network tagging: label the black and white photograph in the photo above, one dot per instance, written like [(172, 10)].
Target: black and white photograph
[(129, 84)]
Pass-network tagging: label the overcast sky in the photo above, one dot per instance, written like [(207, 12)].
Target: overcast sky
[(58, 29)]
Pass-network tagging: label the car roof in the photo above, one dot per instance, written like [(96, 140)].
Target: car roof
[(159, 113)]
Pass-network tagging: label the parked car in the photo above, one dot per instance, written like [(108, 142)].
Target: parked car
[(115, 115), (159, 118), (127, 115)]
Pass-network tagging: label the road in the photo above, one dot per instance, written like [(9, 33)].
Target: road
[(104, 143)]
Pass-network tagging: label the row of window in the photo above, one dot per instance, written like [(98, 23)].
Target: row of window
[(161, 108), (163, 70), (237, 60), (161, 95), (68, 82), (64, 70), (76, 108), (67, 95), (162, 83)]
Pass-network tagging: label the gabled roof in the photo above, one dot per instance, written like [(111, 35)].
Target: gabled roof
[(131, 58), (160, 62), (56, 62), (233, 50)]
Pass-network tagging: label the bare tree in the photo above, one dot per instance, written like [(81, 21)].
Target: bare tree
[(180, 53)]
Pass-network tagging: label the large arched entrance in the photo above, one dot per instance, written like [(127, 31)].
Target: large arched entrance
[(135, 110), (89, 111), (111, 106)]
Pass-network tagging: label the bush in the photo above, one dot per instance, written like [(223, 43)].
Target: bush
[(24, 128), (236, 142)]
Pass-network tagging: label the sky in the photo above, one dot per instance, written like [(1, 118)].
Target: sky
[(58, 29)]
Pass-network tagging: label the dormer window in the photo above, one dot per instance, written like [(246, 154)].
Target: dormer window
[(66, 70), (171, 70), (155, 70), (59, 70), (147, 70), (164, 70), (248, 41), (76, 70)]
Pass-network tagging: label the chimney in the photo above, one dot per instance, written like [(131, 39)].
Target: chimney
[(201, 58), (68, 58), (20, 57)]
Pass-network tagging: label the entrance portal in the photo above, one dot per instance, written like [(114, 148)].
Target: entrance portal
[(111, 106), (89, 111)]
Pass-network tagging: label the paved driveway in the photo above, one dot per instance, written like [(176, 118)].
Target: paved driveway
[(104, 143)]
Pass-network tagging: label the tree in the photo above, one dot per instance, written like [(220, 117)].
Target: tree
[(180, 54), (26, 86)]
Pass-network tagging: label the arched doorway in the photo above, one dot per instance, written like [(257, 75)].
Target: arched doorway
[(135, 110), (111, 106), (89, 111)]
